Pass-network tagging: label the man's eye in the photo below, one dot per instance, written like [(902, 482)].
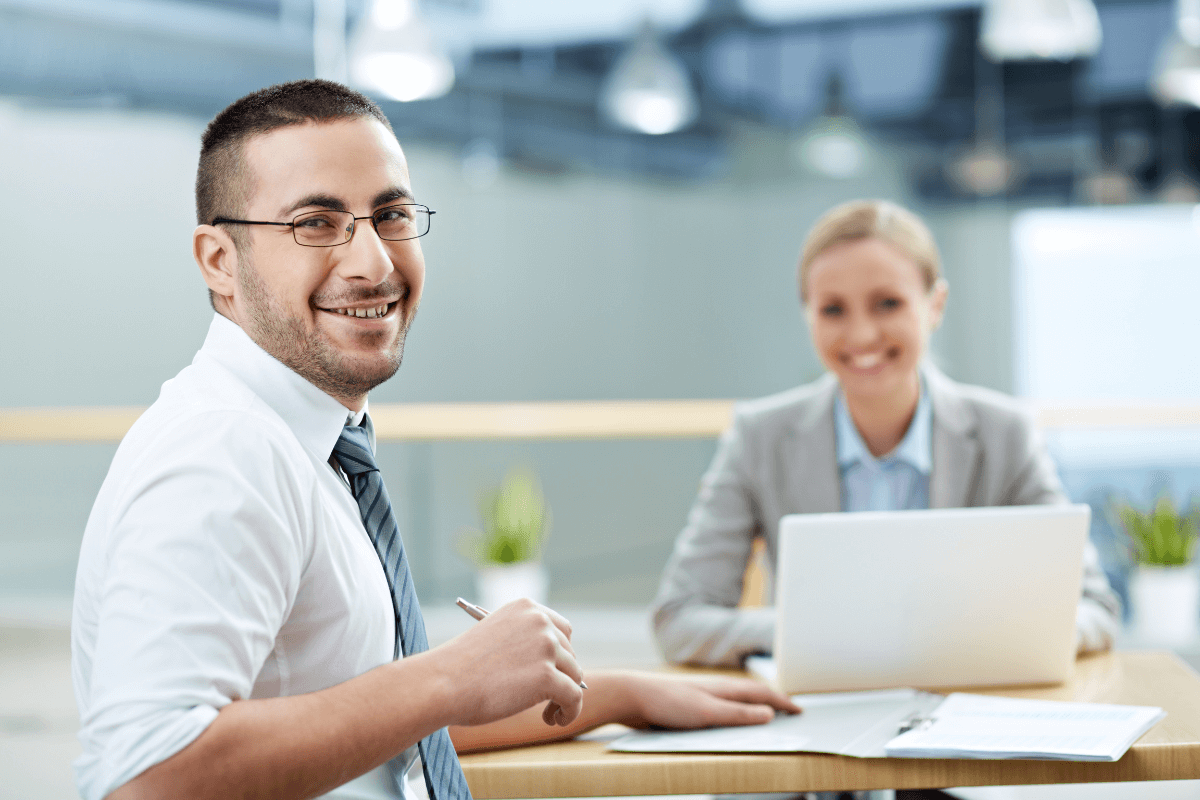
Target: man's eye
[(889, 303), (831, 310), (316, 222), (396, 214)]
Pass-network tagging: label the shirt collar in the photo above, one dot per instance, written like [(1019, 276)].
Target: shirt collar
[(314, 417), (915, 449)]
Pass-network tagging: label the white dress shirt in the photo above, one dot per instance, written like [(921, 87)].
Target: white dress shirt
[(224, 558)]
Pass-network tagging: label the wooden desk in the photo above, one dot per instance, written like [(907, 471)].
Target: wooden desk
[(1170, 750)]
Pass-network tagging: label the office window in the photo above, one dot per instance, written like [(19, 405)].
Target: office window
[(1106, 304)]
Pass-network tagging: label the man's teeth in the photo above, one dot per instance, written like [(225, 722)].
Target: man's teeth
[(366, 313), (866, 361)]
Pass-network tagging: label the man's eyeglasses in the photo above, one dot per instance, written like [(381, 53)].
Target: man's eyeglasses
[(327, 228)]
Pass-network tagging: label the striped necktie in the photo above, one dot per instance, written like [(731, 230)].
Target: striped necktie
[(443, 774)]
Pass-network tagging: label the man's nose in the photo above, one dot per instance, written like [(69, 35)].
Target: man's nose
[(366, 258)]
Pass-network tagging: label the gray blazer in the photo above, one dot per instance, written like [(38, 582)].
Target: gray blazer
[(778, 457)]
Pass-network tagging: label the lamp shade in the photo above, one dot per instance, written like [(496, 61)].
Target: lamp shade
[(1177, 73), (833, 146), (1177, 76), (1016, 30), (648, 89), (393, 52)]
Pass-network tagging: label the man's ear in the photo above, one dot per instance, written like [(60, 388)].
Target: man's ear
[(217, 257)]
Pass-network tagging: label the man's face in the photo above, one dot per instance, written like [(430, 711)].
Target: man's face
[(293, 300)]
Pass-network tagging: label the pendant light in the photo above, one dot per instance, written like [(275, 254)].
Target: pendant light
[(1177, 74), (393, 52), (648, 89), (833, 145), (1060, 30)]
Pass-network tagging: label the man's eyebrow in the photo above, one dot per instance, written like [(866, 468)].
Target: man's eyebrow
[(392, 195), (319, 200)]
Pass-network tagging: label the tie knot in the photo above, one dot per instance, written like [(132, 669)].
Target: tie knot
[(353, 451)]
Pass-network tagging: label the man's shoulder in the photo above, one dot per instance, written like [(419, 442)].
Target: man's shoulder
[(205, 412)]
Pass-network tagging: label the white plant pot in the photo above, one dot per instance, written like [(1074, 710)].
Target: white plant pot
[(1166, 603), (502, 584)]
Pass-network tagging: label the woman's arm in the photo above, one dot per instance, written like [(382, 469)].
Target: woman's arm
[(696, 619)]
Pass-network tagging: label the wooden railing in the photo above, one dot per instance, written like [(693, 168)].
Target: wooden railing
[(606, 419)]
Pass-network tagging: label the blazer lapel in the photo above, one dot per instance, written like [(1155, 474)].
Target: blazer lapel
[(956, 450), (808, 454)]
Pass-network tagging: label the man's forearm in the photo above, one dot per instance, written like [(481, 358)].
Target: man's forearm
[(305, 745), (639, 699), (609, 698)]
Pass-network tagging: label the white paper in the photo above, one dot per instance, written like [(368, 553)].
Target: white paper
[(978, 726), (846, 723)]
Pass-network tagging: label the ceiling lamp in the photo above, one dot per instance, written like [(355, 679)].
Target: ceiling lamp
[(984, 170), (1019, 30), (394, 53), (834, 145), (648, 89), (1177, 75)]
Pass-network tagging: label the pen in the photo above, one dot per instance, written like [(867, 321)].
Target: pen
[(478, 613)]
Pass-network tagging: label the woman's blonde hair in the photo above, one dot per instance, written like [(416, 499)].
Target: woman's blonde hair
[(866, 219)]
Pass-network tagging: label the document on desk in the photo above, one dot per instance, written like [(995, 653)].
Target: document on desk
[(906, 723), (856, 724), (979, 726)]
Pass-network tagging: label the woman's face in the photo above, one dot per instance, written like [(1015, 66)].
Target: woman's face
[(870, 316)]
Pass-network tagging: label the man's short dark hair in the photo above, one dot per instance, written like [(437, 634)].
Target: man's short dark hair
[(222, 181)]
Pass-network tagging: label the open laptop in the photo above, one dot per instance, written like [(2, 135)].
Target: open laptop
[(938, 598)]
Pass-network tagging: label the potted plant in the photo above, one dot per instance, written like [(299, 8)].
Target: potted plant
[(507, 550), (1164, 588)]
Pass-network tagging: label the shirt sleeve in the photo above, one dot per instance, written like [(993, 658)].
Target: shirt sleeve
[(695, 616), (205, 545)]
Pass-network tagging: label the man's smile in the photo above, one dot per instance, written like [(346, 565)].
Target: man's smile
[(364, 312)]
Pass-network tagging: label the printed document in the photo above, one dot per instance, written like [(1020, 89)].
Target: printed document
[(907, 723), (979, 726)]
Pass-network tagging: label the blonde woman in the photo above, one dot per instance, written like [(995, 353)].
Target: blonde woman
[(882, 430)]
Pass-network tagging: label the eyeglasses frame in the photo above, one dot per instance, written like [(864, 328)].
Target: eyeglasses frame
[(353, 224)]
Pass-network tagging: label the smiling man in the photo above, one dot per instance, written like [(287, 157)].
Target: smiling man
[(244, 620)]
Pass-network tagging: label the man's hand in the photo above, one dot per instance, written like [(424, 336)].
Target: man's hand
[(670, 701), (518, 656)]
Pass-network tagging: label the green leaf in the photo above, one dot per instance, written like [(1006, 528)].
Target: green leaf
[(1162, 535), (515, 521)]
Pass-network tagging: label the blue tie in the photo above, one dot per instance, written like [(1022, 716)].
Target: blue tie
[(443, 774)]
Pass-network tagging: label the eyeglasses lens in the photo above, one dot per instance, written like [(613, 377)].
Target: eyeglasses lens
[(328, 228), (402, 222), (323, 228)]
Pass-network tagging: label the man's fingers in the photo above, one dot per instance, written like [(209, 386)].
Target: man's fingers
[(566, 700), (723, 712), (564, 641), (755, 692), (567, 665), (559, 621)]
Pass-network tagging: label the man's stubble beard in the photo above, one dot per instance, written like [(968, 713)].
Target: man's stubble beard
[(308, 353)]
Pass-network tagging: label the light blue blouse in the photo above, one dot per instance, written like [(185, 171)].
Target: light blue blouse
[(898, 481)]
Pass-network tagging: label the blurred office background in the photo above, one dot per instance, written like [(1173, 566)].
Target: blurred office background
[(592, 243)]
